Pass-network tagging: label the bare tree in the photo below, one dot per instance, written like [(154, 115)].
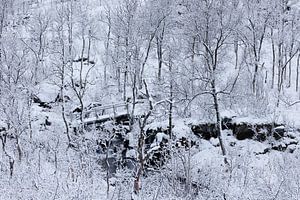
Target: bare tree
[(254, 35), (142, 122), (213, 33), (59, 51)]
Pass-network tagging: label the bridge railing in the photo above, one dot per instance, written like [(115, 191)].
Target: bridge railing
[(106, 110)]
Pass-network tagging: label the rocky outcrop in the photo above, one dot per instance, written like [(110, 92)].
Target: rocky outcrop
[(241, 131), (205, 131), (41, 103)]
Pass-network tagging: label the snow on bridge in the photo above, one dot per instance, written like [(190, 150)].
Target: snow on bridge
[(103, 113)]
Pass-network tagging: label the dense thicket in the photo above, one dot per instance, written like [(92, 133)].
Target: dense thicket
[(183, 59)]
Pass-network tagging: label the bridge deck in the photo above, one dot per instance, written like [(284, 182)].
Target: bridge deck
[(103, 113), (104, 118)]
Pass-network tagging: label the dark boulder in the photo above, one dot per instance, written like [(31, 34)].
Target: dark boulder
[(258, 132), (205, 131), (278, 132), (2, 129), (41, 103), (45, 105), (60, 99), (151, 134), (36, 99), (243, 131), (77, 110), (227, 123), (84, 60), (47, 122)]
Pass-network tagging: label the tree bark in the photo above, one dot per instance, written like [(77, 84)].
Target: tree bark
[(218, 122), (297, 74), (170, 99), (273, 59), (159, 44)]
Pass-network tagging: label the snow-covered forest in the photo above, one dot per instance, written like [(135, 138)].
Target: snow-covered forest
[(150, 99)]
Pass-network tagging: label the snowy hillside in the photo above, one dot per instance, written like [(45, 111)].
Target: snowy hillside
[(150, 99)]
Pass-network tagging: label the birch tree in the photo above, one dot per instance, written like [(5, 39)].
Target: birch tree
[(214, 28)]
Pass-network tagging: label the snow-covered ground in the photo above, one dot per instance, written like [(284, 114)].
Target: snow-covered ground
[(46, 152)]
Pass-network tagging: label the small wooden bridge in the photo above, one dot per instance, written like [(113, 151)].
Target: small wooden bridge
[(102, 113)]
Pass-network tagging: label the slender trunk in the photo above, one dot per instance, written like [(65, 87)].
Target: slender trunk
[(144, 62), (81, 84), (171, 112), (116, 65), (70, 34), (291, 53), (29, 117), (285, 60), (40, 56), (280, 54), (279, 66), (218, 122), (107, 50), (188, 173), (290, 74), (297, 75), (290, 64), (254, 78), (137, 180), (2, 19), (107, 169), (3, 141), (273, 60), (89, 48), (141, 141), (11, 166), (193, 65), (124, 84), (62, 79), (159, 57), (18, 148), (63, 113), (159, 43), (134, 91), (266, 77), (1, 29), (236, 51), (81, 62), (126, 69), (170, 98)]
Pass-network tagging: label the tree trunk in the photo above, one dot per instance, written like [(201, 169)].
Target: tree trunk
[(141, 140), (3, 10), (290, 63), (159, 43), (159, 57), (62, 79), (107, 48), (297, 75), (140, 168), (218, 122), (63, 112), (124, 84), (134, 92), (140, 78), (236, 51), (193, 66), (279, 66), (254, 84), (273, 60), (170, 99), (126, 69), (107, 168), (118, 68)]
